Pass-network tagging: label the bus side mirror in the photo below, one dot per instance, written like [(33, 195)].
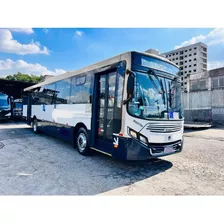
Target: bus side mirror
[(130, 84)]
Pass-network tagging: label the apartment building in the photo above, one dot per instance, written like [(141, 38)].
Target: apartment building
[(191, 59)]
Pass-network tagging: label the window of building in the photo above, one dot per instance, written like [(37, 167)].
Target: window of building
[(176, 58), (215, 83), (204, 66), (202, 84), (189, 65), (181, 68), (204, 49), (62, 93), (189, 71), (185, 72), (181, 52), (218, 82), (195, 53), (176, 63), (185, 66), (190, 49), (204, 55), (189, 55), (193, 85), (204, 60), (185, 56), (221, 81), (190, 60), (185, 50), (195, 64), (181, 63), (177, 53), (181, 57), (195, 48), (173, 54), (195, 70), (195, 59), (185, 62), (196, 85)]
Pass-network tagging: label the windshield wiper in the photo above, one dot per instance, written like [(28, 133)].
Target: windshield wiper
[(162, 87), (170, 96), (151, 72)]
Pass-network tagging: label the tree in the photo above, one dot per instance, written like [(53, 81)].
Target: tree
[(24, 78)]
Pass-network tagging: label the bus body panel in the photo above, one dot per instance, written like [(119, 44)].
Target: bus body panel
[(24, 110), (64, 114)]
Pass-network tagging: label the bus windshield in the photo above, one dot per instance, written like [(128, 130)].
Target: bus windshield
[(156, 97), (4, 101), (18, 105)]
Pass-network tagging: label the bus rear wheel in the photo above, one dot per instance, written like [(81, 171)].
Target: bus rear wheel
[(35, 126), (82, 142)]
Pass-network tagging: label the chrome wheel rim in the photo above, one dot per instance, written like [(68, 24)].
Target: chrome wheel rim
[(82, 142)]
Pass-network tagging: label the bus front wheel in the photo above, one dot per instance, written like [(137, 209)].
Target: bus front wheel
[(82, 142)]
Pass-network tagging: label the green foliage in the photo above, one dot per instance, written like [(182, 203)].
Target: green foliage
[(24, 78)]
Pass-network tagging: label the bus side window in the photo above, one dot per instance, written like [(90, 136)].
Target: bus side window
[(81, 89)]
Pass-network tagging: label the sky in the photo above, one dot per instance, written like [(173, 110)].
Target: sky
[(53, 51)]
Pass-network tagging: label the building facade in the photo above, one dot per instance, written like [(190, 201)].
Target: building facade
[(191, 59), (204, 100)]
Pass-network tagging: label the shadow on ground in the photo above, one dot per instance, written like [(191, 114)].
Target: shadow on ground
[(55, 168)]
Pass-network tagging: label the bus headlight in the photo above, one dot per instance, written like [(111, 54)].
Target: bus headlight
[(138, 136), (133, 133), (143, 139)]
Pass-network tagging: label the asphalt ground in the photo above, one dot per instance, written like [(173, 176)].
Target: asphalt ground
[(42, 165)]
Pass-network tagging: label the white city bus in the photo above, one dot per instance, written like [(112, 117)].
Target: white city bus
[(128, 107)]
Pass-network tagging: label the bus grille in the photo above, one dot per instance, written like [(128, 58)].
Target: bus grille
[(164, 128)]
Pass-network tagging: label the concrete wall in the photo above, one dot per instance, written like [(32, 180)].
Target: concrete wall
[(204, 106)]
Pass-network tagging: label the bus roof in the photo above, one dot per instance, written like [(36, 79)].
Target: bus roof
[(93, 67)]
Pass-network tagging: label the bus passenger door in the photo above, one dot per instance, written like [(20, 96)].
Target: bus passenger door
[(104, 111)]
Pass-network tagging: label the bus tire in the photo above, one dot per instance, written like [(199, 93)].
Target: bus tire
[(35, 126), (82, 142)]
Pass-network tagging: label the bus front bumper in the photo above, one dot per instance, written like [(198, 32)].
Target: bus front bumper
[(137, 151)]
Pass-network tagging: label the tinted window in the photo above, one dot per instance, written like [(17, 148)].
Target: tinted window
[(82, 88), (25, 99), (44, 95), (63, 91), (80, 80)]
